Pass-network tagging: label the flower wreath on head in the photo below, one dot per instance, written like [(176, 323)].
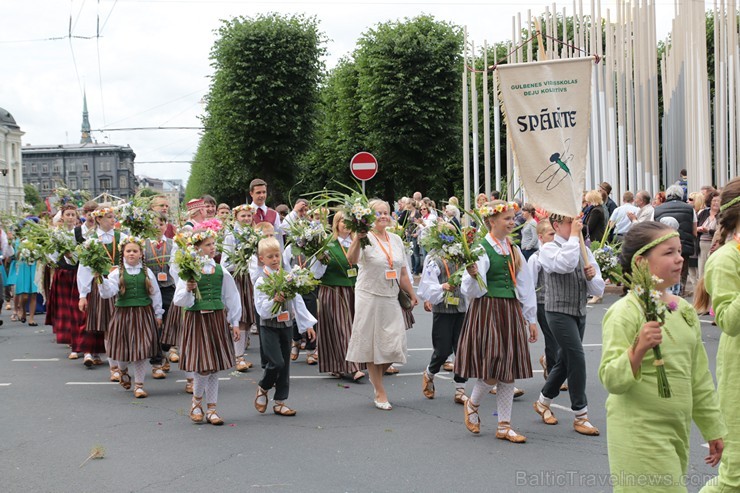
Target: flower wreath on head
[(202, 235), (102, 212), (212, 224), (132, 239), (244, 207), (488, 211)]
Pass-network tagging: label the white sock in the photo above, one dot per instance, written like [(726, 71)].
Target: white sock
[(212, 388), (430, 375), (241, 344), (139, 370), (504, 401), (583, 414), (199, 384), (545, 401), (190, 375), (481, 388), (113, 363)]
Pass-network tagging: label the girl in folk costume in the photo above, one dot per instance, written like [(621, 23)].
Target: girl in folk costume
[(628, 373), (98, 310), (337, 304), (243, 215), (62, 312), (157, 255), (132, 333), (206, 346), (448, 307), (276, 331), (23, 278), (722, 282), (502, 316), (196, 214)]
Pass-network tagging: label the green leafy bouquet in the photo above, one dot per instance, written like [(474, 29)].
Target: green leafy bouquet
[(190, 265), (63, 243), (139, 221), (246, 241), (30, 252), (308, 238), (93, 254), (290, 283)]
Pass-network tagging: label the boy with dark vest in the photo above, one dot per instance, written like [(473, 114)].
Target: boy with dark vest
[(157, 255)]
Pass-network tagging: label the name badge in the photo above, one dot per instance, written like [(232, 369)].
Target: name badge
[(208, 269), (283, 317), (162, 277), (203, 312), (351, 272), (453, 301), (391, 275)]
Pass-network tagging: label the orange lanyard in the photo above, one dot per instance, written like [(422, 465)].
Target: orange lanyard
[(157, 257), (111, 257), (388, 253), (447, 269), (344, 252), (510, 261)]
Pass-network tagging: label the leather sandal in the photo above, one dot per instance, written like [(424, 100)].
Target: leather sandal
[(282, 410), (139, 391), (460, 397), (427, 386), (196, 410), (359, 375), (584, 427), (241, 364), (294, 350), (547, 416), (173, 356), (259, 406), (212, 417), (189, 385), (470, 411), (73, 355), (125, 380), (448, 366), (115, 374), (392, 370), (158, 373), (166, 365), (312, 358), (504, 432)]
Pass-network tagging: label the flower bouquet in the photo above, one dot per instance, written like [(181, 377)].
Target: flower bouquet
[(93, 254), (358, 216), (643, 285), (190, 265), (607, 257), (298, 280), (308, 238), (30, 252), (63, 243), (139, 221), (246, 241)]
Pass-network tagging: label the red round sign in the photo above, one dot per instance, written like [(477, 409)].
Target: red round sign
[(363, 166)]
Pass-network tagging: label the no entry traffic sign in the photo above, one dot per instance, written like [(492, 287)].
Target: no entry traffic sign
[(363, 166)]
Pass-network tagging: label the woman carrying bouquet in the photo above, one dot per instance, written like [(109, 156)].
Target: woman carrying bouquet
[(25, 285), (132, 333), (379, 330), (207, 346), (650, 434), (337, 304), (501, 318), (243, 215), (99, 311), (722, 282)]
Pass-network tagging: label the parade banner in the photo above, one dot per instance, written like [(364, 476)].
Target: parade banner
[(547, 107)]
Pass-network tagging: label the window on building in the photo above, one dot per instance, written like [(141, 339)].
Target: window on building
[(105, 183), (104, 165), (57, 168), (123, 181), (122, 164), (34, 168), (45, 168), (85, 167), (45, 186), (85, 184), (73, 183)]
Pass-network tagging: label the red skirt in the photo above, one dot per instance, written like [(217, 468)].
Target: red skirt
[(63, 303), (494, 341), (132, 334), (50, 303), (334, 328), (206, 344)]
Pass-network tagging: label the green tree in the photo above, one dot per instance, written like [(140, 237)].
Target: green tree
[(262, 104), (32, 197)]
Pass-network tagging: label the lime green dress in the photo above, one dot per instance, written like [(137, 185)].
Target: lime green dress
[(722, 280), (648, 436)]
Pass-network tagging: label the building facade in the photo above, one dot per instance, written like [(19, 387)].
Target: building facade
[(172, 189), (11, 176)]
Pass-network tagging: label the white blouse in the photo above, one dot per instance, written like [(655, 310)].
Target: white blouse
[(109, 288), (229, 296)]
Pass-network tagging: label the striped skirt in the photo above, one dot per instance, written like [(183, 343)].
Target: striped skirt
[(62, 311), (99, 311), (206, 344), (334, 328), (132, 333), (408, 318), (172, 324), (246, 294), (493, 342)]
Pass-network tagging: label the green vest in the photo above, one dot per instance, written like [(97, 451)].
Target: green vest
[(114, 248), (498, 277), (136, 293), (210, 292), (336, 271)]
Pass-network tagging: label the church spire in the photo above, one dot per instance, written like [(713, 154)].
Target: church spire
[(85, 138)]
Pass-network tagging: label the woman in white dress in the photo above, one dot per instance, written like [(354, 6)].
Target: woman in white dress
[(378, 331)]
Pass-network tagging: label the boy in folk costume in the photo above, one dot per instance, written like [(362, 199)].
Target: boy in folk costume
[(207, 345), (569, 282), (262, 213), (132, 333), (276, 332)]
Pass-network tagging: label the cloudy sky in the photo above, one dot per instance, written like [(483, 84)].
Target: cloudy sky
[(150, 66)]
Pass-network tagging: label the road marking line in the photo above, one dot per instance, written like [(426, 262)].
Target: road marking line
[(5, 384), (222, 378), (563, 408), (91, 383), (592, 345), (36, 359)]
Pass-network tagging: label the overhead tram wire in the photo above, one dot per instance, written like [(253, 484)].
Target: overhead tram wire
[(127, 129)]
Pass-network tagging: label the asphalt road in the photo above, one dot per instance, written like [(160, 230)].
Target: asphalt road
[(54, 411)]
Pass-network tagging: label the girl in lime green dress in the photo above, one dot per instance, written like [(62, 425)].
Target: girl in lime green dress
[(648, 436), (722, 282)]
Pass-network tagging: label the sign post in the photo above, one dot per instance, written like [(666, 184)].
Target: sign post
[(363, 166)]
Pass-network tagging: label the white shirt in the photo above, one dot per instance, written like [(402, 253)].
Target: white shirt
[(429, 287), (524, 285), (84, 273), (296, 307), (229, 296), (646, 213), (620, 220), (109, 288), (5, 249), (564, 260), (276, 224), (228, 248)]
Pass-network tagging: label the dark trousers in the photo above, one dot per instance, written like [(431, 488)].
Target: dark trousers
[(446, 329), (312, 304), (167, 294), (275, 346), (551, 344), (571, 365)]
